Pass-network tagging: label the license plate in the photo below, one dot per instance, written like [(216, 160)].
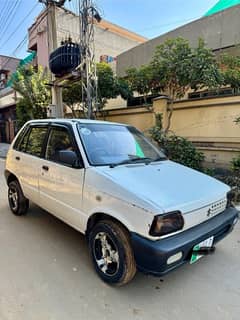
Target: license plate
[(206, 243)]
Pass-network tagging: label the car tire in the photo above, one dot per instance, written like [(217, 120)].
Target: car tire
[(18, 204), (111, 253)]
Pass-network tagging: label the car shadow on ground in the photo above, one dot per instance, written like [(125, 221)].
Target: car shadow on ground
[(60, 237), (49, 260)]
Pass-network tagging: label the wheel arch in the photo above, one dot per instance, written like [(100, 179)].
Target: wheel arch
[(9, 176), (98, 216)]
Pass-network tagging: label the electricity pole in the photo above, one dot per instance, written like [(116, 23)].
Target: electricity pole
[(88, 14), (52, 45)]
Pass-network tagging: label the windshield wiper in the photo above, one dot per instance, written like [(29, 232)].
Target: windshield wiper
[(146, 160), (160, 159)]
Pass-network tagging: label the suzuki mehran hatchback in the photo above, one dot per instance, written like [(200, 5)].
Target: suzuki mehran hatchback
[(138, 209)]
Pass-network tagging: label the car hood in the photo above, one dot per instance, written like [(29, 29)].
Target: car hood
[(166, 185)]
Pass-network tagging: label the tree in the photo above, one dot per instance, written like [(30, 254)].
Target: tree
[(109, 87), (230, 69), (72, 96), (177, 68), (141, 80), (35, 94)]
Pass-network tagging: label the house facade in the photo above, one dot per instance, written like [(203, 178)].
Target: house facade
[(8, 99), (110, 39)]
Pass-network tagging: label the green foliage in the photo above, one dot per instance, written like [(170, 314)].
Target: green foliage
[(237, 120), (209, 171), (109, 87), (35, 95), (235, 165), (230, 69), (174, 69), (177, 148), (182, 151), (123, 88), (72, 95), (177, 67), (171, 65), (106, 83), (23, 113), (205, 69), (140, 80)]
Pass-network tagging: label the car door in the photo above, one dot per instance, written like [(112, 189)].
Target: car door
[(27, 160), (61, 185)]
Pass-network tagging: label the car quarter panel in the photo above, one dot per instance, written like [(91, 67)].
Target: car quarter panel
[(27, 174)]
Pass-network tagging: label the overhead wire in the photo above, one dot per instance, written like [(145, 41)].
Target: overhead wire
[(19, 46), (4, 14), (4, 10), (8, 8), (10, 18), (19, 25)]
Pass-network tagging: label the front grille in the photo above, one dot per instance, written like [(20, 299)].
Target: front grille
[(217, 207)]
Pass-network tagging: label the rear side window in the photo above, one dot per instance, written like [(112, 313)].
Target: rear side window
[(35, 141), (22, 136), (22, 146)]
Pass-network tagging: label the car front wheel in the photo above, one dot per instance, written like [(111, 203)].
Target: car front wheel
[(111, 253)]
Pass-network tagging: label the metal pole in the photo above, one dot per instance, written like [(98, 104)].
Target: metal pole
[(52, 41), (52, 45), (87, 14)]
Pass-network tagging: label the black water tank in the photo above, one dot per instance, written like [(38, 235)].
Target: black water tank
[(64, 59)]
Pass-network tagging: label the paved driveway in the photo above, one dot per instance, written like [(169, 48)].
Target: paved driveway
[(46, 274), (3, 149)]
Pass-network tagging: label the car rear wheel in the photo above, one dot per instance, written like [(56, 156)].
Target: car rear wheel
[(111, 253), (17, 202)]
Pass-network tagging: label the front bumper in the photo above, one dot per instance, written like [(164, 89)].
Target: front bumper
[(152, 256)]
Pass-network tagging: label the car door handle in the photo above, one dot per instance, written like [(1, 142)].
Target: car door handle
[(17, 158), (45, 168)]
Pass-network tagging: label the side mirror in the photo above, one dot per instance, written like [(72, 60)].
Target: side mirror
[(70, 158)]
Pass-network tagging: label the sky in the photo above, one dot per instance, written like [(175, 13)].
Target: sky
[(149, 18)]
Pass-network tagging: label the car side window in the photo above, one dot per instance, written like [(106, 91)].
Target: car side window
[(36, 140), (59, 140), (21, 146), (20, 138)]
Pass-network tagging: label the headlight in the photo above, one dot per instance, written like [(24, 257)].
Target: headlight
[(166, 223)]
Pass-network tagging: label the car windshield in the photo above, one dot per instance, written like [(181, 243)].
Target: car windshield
[(112, 144)]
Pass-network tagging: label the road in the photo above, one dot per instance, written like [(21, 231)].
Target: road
[(46, 274)]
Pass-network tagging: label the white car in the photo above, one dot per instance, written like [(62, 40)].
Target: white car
[(137, 209)]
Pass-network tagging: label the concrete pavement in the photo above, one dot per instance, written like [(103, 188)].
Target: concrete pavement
[(3, 149), (46, 274)]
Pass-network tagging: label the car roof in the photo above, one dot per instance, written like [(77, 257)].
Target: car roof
[(73, 121)]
